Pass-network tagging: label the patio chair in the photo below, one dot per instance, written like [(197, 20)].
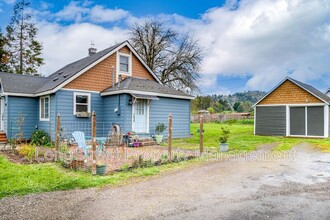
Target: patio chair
[(79, 137)]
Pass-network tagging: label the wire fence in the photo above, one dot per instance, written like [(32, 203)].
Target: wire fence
[(102, 129)]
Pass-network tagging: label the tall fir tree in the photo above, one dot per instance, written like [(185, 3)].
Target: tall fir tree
[(4, 54), (25, 50)]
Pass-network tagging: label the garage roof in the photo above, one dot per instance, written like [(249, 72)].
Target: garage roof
[(308, 88)]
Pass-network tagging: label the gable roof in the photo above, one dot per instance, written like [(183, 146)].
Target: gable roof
[(308, 88), (144, 86), (64, 75)]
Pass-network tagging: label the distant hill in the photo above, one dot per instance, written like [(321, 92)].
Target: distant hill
[(250, 96), (238, 102)]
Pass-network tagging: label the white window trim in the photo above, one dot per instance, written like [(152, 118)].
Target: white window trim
[(326, 120), (74, 101), (44, 97), (118, 72)]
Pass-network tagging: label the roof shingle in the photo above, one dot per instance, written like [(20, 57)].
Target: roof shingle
[(145, 85)]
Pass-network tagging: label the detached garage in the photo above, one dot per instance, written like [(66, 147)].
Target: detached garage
[(292, 109)]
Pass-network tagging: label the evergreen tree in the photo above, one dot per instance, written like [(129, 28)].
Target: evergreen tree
[(4, 55), (25, 50)]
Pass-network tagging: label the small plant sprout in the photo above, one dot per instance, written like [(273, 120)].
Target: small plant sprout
[(160, 128), (224, 135)]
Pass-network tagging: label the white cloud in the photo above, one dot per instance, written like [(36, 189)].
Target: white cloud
[(267, 40), (73, 12), (101, 14), (9, 1), (86, 12), (65, 44), (264, 40)]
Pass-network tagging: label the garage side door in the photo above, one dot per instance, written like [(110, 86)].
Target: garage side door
[(297, 121), (315, 121), (271, 120)]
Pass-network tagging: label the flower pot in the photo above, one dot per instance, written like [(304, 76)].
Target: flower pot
[(224, 147), (100, 169), (158, 138)]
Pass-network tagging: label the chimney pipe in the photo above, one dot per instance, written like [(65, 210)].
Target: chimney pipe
[(92, 50)]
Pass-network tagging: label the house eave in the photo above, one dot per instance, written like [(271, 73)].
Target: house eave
[(147, 93)]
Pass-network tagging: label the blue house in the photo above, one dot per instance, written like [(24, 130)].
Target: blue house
[(115, 83)]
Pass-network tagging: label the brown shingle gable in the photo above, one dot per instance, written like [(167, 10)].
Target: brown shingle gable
[(99, 77), (289, 93)]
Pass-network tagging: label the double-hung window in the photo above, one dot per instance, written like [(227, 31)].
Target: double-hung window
[(124, 63), (44, 108), (82, 103)]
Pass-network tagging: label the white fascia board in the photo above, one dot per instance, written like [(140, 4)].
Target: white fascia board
[(146, 93), (18, 94)]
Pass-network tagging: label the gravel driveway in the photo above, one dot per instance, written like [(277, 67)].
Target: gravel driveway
[(232, 189)]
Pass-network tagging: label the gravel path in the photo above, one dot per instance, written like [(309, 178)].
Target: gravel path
[(233, 189)]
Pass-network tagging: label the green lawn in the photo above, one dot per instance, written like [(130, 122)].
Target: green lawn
[(242, 138), (17, 179)]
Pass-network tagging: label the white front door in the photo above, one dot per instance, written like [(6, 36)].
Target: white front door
[(140, 115), (2, 108)]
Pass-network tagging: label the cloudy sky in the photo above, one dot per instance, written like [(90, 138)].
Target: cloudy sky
[(248, 44)]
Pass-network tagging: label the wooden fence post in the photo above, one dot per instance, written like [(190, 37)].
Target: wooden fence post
[(58, 132), (94, 142), (170, 136), (201, 133)]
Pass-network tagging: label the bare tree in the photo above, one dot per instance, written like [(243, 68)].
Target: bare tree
[(176, 60)]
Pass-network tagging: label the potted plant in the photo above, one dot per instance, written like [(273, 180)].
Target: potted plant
[(100, 168), (160, 128), (224, 136)]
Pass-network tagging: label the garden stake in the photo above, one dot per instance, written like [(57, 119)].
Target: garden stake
[(201, 131), (170, 136), (94, 142)]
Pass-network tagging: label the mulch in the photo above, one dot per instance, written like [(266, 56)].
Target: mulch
[(13, 157)]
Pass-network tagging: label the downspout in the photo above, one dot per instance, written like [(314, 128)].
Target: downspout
[(113, 76), (118, 112)]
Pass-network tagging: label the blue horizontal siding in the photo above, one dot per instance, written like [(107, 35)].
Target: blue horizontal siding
[(29, 108), (124, 120), (62, 103), (159, 111), (65, 102)]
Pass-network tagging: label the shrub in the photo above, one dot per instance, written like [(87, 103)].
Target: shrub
[(28, 151), (63, 148), (40, 137), (160, 128), (224, 135)]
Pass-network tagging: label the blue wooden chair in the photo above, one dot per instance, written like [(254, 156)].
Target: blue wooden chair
[(79, 137)]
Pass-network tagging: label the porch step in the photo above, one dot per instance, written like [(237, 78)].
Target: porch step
[(147, 141), (3, 138)]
